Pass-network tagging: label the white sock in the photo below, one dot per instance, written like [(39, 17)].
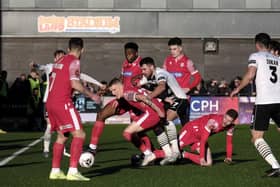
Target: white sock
[(174, 146), (72, 170), (167, 150), (92, 146), (147, 152), (55, 170), (265, 151), (47, 138)]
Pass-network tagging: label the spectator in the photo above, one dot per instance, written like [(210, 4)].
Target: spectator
[(3, 86), (199, 89), (212, 88), (223, 88), (19, 92)]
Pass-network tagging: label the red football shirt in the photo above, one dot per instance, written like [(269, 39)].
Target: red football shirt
[(64, 70), (182, 69), (129, 70)]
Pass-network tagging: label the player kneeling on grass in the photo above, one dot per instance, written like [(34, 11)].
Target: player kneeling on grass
[(196, 133), (152, 112)]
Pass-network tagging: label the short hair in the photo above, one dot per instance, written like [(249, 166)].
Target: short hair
[(131, 45), (232, 113), (58, 51), (274, 45), (76, 43), (114, 81), (263, 38), (147, 61), (175, 41)]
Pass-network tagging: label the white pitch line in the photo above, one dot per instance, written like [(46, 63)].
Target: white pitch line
[(15, 154)]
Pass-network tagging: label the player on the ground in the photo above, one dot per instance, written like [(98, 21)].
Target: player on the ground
[(130, 69), (152, 111), (163, 85), (196, 133), (183, 69), (47, 69), (64, 118), (264, 67)]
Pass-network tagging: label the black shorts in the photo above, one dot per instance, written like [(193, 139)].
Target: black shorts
[(181, 106), (262, 115)]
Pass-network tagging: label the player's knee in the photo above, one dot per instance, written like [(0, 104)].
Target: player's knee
[(127, 136), (158, 130), (79, 134)]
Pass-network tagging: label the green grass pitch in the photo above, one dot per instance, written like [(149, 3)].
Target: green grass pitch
[(112, 163)]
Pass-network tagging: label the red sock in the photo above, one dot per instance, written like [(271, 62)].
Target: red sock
[(127, 136), (96, 132), (159, 153), (146, 140), (193, 157), (75, 151), (57, 154)]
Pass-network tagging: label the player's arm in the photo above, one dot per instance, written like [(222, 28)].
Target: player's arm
[(229, 146), (249, 75), (158, 90), (74, 72), (133, 96), (205, 133), (195, 76), (136, 80)]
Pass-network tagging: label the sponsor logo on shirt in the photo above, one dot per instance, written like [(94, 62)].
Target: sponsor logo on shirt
[(177, 74), (127, 74)]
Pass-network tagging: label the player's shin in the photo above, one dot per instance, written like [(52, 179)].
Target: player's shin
[(265, 151), (172, 136), (47, 138), (96, 133), (57, 155), (193, 157), (75, 151)]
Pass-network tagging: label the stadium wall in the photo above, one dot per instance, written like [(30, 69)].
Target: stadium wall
[(149, 23)]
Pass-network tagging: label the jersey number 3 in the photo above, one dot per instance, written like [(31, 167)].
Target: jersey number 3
[(273, 77)]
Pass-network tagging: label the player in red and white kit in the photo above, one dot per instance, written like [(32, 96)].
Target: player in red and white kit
[(183, 68), (130, 69), (63, 116), (152, 111), (196, 133)]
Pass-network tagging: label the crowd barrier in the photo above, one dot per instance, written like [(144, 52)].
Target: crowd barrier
[(199, 105)]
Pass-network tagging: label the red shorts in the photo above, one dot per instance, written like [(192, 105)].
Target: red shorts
[(186, 137), (64, 117), (147, 120)]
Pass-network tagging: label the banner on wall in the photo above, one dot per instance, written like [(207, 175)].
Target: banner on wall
[(106, 24), (200, 106), (246, 106)]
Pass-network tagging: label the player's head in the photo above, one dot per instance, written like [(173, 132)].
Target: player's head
[(262, 41), (147, 66), (131, 51), (116, 87), (58, 54), (274, 47), (229, 117), (175, 47), (76, 46)]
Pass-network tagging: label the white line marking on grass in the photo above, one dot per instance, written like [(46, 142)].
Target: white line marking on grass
[(15, 154)]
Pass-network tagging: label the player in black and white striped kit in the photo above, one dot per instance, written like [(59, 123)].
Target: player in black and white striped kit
[(266, 68), (166, 87)]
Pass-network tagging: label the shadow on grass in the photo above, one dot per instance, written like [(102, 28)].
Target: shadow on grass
[(21, 164), (17, 140), (108, 170), (8, 147)]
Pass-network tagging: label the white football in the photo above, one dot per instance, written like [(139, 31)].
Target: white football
[(86, 160)]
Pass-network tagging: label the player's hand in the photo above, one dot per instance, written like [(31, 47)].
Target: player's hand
[(31, 64), (96, 98), (234, 92), (186, 90), (228, 161), (169, 100)]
